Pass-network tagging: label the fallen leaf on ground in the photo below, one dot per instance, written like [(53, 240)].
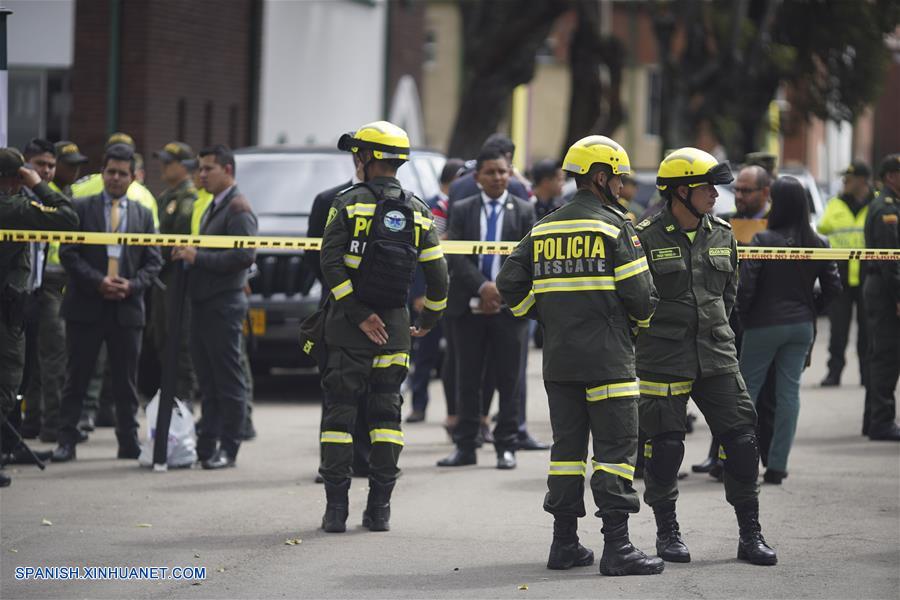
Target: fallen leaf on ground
[(196, 556), (293, 542), (46, 522), (220, 570), (13, 550), (144, 525), (523, 587)]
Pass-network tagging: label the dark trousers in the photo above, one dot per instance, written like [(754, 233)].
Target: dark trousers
[(503, 336), (83, 342), (216, 339), (840, 313), (884, 355), (369, 376), (612, 424), (426, 355), (448, 368), (489, 386), (723, 400)]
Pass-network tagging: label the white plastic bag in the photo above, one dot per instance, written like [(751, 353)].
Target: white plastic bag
[(181, 449)]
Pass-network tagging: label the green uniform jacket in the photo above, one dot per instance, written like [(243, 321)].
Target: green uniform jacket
[(689, 335), (342, 247), (176, 209), (19, 212), (883, 231), (582, 273)]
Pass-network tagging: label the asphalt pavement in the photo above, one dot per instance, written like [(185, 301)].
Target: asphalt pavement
[(472, 532)]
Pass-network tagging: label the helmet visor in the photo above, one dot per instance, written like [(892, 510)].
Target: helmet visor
[(720, 174)]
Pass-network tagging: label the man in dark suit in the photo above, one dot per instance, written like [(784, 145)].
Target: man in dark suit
[(482, 324), (218, 308), (467, 185), (104, 302)]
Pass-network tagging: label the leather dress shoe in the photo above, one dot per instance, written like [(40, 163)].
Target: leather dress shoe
[(219, 460), (82, 437), (529, 443), (884, 433), (21, 456), (86, 423), (458, 458), (63, 453), (706, 466), (129, 452), (774, 476), (831, 380), (506, 460), (416, 416), (4, 480)]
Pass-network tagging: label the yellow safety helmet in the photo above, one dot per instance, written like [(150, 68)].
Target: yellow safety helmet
[(593, 149), (692, 167), (385, 139)]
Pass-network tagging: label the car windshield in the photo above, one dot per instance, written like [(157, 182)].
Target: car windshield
[(286, 184)]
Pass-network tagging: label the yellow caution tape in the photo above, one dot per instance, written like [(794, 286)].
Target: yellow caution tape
[(449, 246)]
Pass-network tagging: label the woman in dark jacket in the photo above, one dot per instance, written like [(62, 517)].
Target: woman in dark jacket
[(778, 310)]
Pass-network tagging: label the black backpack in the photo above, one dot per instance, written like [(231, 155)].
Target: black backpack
[(390, 257)]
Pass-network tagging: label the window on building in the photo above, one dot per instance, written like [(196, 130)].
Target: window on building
[(654, 102), (40, 101)]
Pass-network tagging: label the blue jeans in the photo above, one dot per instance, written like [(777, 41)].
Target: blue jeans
[(786, 346)]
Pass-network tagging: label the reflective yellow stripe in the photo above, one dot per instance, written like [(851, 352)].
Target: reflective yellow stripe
[(677, 388), (390, 436), (435, 305), (631, 269), (613, 390), (648, 450), (360, 210), (623, 470), (642, 324), (383, 361), (342, 290), (570, 467), (422, 221), (429, 254), (575, 226), (522, 308), (722, 455), (574, 284), (336, 437), (352, 261)]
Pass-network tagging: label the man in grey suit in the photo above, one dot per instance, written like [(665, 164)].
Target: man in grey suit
[(216, 281), (480, 321), (104, 302)]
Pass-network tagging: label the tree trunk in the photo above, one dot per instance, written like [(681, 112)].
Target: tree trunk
[(500, 43)]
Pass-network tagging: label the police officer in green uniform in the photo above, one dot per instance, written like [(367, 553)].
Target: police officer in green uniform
[(881, 291), (53, 211), (583, 275), (176, 208), (688, 350), (375, 236)]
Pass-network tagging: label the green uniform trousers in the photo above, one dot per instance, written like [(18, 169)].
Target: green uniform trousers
[(376, 375), (726, 405), (51, 349), (12, 363), (607, 411)]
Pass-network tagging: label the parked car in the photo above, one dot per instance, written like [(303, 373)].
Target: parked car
[(281, 184)]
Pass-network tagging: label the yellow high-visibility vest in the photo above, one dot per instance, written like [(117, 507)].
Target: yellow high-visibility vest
[(845, 230), (203, 200)]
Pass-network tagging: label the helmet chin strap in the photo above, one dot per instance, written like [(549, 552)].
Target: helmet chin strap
[(605, 192), (687, 203)]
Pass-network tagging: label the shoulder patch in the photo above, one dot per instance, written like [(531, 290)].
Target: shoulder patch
[(332, 213), (889, 219), (640, 226), (42, 207), (722, 222)]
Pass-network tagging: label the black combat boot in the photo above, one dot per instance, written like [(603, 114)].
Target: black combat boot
[(337, 506), (752, 546), (377, 516), (669, 544), (619, 556), (565, 551)]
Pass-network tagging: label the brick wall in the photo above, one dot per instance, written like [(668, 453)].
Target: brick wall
[(184, 65)]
